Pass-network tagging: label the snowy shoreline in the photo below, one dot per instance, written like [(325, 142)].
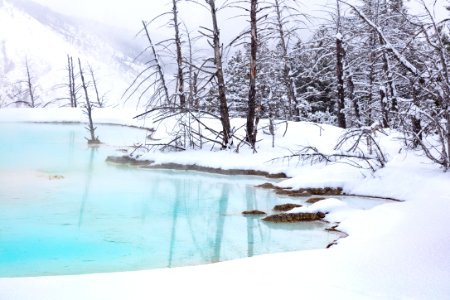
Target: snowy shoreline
[(393, 251)]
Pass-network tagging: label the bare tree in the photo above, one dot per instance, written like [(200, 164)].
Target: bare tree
[(72, 89), (340, 55), (30, 86), (21, 94), (93, 140), (217, 46), (179, 55), (252, 120), (280, 23)]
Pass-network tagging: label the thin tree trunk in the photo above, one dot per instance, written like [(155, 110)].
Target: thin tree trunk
[(354, 101), (251, 113), (74, 93), (383, 106), (294, 111), (94, 82), (371, 80), (191, 80), (69, 67), (30, 86), (91, 128), (416, 122), (224, 115), (180, 75), (340, 55)]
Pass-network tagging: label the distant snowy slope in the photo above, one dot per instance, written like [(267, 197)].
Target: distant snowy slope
[(31, 32)]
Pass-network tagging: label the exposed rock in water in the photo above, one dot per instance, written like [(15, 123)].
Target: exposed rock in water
[(295, 217), (253, 213), (126, 160), (286, 207), (266, 185), (55, 177), (314, 200), (94, 143)]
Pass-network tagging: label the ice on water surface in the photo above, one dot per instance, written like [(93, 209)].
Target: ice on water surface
[(64, 210)]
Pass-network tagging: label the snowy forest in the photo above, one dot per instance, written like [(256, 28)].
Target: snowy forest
[(371, 66), (368, 66)]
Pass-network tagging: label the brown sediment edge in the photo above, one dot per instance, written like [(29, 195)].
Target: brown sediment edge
[(174, 166), (323, 192), (374, 197), (147, 164), (336, 241)]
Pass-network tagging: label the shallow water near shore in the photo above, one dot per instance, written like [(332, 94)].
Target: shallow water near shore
[(63, 210)]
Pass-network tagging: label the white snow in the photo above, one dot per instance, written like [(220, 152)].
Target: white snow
[(398, 250)]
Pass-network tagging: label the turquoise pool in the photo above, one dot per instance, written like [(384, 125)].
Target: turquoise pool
[(63, 210)]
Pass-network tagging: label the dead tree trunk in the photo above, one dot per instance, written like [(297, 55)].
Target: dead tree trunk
[(416, 122), (294, 112), (224, 116), (179, 56), (383, 107), (340, 55), (30, 86), (71, 83), (94, 83), (88, 110), (354, 101), (73, 86), (251, 113), (191, 81)]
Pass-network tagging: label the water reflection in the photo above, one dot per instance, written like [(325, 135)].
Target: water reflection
[(87, 185), (251, 205), (223, 205), (176, 207)]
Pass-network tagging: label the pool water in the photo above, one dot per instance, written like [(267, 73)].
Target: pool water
[(64, 210)]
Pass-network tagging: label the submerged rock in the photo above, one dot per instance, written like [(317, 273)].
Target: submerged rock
[(295, 217), (253, 213), (286, 207), (315, 200)]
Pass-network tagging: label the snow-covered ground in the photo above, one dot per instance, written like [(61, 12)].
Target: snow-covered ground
[(398, 250)]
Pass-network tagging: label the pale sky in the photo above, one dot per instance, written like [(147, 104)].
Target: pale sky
[(129, 13)]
